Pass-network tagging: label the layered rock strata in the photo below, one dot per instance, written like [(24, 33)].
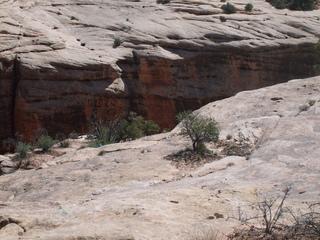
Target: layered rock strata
[(131, 191), (59, 62)]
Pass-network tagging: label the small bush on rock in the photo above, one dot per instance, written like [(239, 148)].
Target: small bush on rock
[(136, 127), (163, 1), (229, 8), (222, 19), (248, 7), (117, 42), (199, 129), (22, 149), (116, 130), (45, 142), (74, 135), (64, 144), (302, 5)]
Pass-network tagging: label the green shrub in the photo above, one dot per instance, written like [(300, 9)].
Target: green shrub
[(74, 135), (11, 143), (248, 7), (116, 130), (199, 129), (229, 8), (101, 153), (279, 4), (64, 144), (222, 19), (117, 42), (302, 5), (163, 1), (60, 137), (311, 102), (45, 142), (94, 144), (22, 149), (136, 127)]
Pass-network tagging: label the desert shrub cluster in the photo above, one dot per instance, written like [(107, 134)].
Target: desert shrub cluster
[(102, 132), (163, 1), (248, 7), (229, 8), (115, 130), (305, 225), (302, 5)]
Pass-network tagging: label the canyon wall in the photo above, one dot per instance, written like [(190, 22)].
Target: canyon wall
[(59, 65)]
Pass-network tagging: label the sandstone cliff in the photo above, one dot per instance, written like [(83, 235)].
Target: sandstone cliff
[(130, 191), (58, 63)]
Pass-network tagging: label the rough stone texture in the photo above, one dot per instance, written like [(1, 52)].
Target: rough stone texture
[(58, 63), (11, 229), (129, 191)]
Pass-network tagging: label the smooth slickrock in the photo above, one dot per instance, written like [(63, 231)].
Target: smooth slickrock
[(130, 191), (58, 63)]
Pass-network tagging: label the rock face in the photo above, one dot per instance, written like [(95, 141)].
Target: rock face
[(58, 62), (130, 191)]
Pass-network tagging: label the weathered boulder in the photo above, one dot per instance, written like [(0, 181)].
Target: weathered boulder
[(7, 165), (11, 229), (58, 62)]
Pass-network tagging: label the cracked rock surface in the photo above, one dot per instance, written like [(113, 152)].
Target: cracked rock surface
[(59, 62), (132, 192)]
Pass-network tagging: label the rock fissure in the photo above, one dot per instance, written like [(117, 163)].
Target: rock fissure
[(15, 89)]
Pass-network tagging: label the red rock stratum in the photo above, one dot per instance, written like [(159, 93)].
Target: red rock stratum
[(58, 63)]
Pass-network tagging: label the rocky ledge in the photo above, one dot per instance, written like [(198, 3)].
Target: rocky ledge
[(131, 191), (61, 61)]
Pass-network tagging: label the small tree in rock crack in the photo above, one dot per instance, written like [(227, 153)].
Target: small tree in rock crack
[(199, 129)]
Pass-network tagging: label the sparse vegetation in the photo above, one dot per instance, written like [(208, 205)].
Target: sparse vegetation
[(22, 149), (117, 42), (307, 224), (302, 5), (304, 108), (209, 234), (311, 102), (248, 7), (74, 135), (229, 8), (304, 225), (163, 1), (199, 129), (11, 143), (64, 144), (101, 153), (222, 19), (270, 212), (230, 164), (117, 129), (45, 142), (136, 127)]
